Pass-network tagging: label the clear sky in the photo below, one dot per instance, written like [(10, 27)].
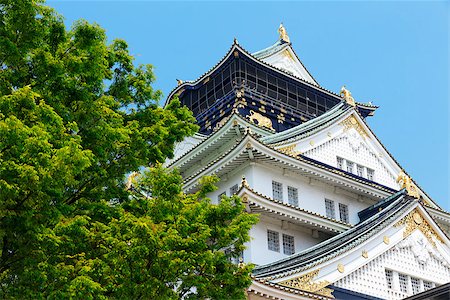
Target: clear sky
[(395, 54)]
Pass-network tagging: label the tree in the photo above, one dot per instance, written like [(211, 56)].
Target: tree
[(76, 116)]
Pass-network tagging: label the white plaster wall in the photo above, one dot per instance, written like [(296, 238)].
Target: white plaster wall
[(371, 278), (351, 146), (232, 178), (311, 196), (258, 251), (184, 146)]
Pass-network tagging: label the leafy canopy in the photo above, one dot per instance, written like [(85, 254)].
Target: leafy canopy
[(76, 116)]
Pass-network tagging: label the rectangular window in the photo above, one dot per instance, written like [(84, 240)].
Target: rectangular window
[(329, 208), (350, 166), (427, 285), (273, 240), (403, 281), (343, 212), (288, 244), (234, 189), (370, 174), (277, 189), (340, 162), (292, 196), (415, 284), (360, 170), (389, 279)]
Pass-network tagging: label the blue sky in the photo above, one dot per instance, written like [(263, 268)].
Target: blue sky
[(395, 54)]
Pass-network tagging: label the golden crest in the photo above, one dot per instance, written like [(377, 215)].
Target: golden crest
[(340, 268), (413, 221), (305, 282)]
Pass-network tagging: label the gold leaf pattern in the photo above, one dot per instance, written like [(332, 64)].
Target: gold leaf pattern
[(413, 221)]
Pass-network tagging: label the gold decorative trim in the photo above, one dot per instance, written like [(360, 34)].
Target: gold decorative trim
[(305, 283), (352, 122), (260, 119), (413, 221), (386, 240), (340, 268), (406, 183), (311, 143), (289, 150), (365, 254)]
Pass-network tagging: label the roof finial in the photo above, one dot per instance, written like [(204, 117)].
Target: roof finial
[(406, 183), (347, 96), (235, 41), (283, 34), (179, 81)]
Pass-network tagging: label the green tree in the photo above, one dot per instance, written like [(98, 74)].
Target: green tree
[(76, 116)]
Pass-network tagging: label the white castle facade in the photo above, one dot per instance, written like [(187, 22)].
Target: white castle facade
[(339, 217)]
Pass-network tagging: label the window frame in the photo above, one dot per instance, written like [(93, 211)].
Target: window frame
[(332, 214), (275, 244), (277, 194), (292, 191)]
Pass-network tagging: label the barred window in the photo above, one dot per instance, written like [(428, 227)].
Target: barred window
[(343, 212), (350, 166), (403, 280), (360, 170), (370, 174), (234, 189), (292, 196), (340, 162), (219, 198), (415, 283), (288, 244), (389, 279), (273, 240), (427, 285), (329, 208), (277, 189)]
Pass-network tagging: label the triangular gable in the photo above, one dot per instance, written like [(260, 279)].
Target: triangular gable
[(403, 240), (348, 137), (282, 56)]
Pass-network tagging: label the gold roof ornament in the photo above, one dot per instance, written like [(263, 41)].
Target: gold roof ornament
[(283, 34), (406, 183), (179, 81), (347, 96)]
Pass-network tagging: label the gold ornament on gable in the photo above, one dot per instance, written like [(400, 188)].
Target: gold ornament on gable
[(306, 283), (406, 183), (413, 221), (352, 122), (347, 96)]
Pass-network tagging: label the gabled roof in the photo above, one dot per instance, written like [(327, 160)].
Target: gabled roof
[(240, 50), (310, 127), (282, 52), (338, 244), (239, 154)]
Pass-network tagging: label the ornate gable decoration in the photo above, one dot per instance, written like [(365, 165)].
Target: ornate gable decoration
[(352, 122), (406, 183), (305, 283), (413, 221)]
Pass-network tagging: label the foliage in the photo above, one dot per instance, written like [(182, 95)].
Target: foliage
[(76, 116)]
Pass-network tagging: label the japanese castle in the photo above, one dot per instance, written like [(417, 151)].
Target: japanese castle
[(339, 217)]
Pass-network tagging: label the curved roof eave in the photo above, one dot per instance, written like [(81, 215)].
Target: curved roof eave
[(236, 46)]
